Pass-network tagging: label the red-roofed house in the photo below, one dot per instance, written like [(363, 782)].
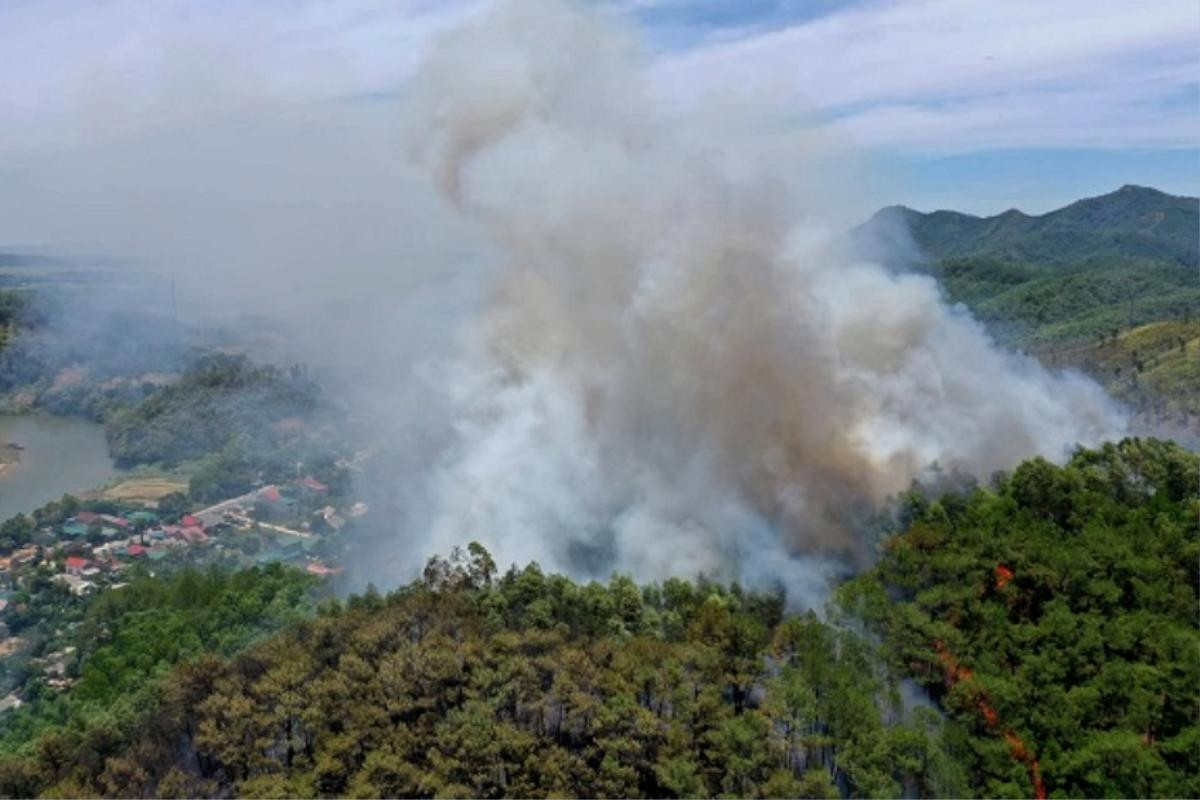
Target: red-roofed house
[(189, 521), (314, 485), (135, 550), (193, 535), (76, 564), (317, 568), (87, 517), (270, 502), (120, 522)]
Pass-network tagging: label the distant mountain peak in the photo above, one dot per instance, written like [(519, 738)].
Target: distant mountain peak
[(1137, 222), (1133, 187)]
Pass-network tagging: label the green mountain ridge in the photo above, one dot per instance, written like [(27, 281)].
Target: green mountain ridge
[(1133, 222)]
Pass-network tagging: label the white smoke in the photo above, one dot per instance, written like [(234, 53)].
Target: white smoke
[(622, 337), (675, 373)]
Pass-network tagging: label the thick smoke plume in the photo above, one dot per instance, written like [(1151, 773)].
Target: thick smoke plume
[(674, 374), (585, 324)]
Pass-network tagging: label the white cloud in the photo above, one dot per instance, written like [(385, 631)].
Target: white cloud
[(921, 75), (952, 75)]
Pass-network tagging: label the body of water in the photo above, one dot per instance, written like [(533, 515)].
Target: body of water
[(60, 456)]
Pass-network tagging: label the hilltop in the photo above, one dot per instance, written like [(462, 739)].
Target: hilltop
[(1134, 222), (1050, 617)]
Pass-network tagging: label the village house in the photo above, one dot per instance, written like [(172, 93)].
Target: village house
[(330, 516), (75, 583), (143, 518), (191, 531), (120, 522), (269, 501), (22, 557), (313, 486), (113, 547), (55, 667)]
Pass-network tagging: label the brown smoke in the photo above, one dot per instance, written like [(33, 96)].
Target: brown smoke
[(673, 375), (589, 329)]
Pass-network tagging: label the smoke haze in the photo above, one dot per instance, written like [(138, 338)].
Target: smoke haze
[(590, 332), (674, 373)]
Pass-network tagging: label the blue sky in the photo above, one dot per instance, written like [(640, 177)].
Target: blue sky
[(980, 106), (977, 105), (682, 24), (1034, 180)]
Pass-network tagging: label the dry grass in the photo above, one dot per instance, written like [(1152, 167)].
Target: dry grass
[(143, 489)]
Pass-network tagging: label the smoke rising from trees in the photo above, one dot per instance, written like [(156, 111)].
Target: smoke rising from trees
[(590, 330), (675, 373)]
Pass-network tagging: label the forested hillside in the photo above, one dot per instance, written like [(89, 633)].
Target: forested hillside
[(218, 399), (171, 397), (1109, 284), (129, 637), (83, 351), (1052, 617), (466, 684), (1055, 620)]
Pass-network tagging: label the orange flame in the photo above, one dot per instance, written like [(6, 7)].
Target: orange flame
[(956, 673), (1003, 576)]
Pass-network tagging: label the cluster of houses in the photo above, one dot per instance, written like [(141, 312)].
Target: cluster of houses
[(95, 548), (99, 546), (90, 550), (17, 559)]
